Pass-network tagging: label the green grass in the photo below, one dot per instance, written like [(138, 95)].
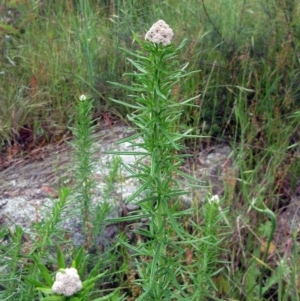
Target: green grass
[(248, 54)]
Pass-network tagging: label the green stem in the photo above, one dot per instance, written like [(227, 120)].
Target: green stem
[(158, 172), (274, 224)]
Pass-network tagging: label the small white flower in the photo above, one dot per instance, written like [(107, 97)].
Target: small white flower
[(160, 33), (82, 97), (214, 199), (67, 282)]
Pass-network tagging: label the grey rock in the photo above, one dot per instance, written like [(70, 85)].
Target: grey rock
[(28, 189)]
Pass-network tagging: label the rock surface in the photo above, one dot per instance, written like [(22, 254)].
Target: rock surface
[(28, 190)]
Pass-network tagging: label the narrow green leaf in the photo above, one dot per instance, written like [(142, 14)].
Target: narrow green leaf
[(148, 199), (95, 271), (187, 176), (34, 282), (139, 191), (182, 44), (44, 271), (45, 290), (127, 218), (153, 269), (130, 170), (245, 89), (135, 55), (107, 297), (132, 88), (145, 294), (124, 103), (176, 284), (138, 251), (53, 298), (176, 147), (130, 138), (174, 224), (173, 194), (179, 104), (161, 94), (60, 259), (154, 161), (78, 257), (91, 281), (83, 265), (137, 66)]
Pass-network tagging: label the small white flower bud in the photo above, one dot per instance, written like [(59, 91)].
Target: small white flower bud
[(160, 33), (214, 199), (67, 282), (82, 97)]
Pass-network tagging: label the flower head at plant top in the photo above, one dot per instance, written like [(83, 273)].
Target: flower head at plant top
[(67, 282), (214, 200), (82, 97), (160, 33)]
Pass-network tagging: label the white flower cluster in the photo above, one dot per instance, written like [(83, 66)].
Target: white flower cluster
[(160, 33), (82, 97), (214, 199), (67, 282)]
